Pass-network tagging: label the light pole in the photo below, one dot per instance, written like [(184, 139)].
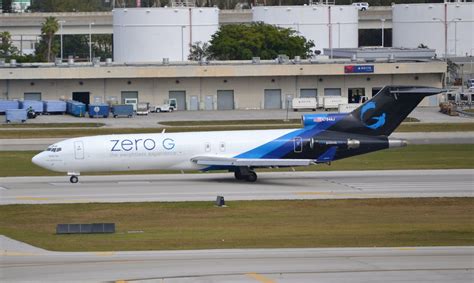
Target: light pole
[(61, 28), (338, 35), (446, 23), (90, 41), (445, 36), (456, 20), (383, 31), (182, 43)]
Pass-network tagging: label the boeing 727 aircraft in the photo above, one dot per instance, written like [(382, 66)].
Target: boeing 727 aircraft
[(322, 139)]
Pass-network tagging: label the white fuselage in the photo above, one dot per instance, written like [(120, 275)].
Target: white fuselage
[(172, 151)]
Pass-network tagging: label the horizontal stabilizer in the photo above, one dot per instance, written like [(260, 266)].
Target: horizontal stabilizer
[(250, 162)]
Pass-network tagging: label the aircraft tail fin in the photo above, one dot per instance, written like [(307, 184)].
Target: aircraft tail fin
[(382, 114)]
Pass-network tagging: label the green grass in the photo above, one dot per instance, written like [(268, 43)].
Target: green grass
[(412, 157), (52, 125), (248, 224), (68, 133)]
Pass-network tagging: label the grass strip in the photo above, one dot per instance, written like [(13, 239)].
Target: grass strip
[(68, 133), (437, 156), (248, 224), (52, 125)]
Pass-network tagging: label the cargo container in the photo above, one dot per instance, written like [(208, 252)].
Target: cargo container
[(304, 103), (15, 115), (97, 110), (122, 110), (76, 108), (54, 106), (8, 104), (36, 105)]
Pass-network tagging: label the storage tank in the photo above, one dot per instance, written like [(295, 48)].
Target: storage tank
[(323, 24), (151, 34), (415, 24)]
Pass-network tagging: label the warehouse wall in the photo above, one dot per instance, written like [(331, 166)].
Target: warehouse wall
[(248, 91)]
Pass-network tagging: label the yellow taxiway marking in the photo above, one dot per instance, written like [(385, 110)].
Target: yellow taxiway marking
[(406, 249), (31, 198), (260, 278), (104, 253), (333, 194), (121, 281), (6, 253)]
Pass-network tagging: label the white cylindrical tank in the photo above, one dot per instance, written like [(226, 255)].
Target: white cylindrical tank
[(318, 23), (151, 34), (415, 24)]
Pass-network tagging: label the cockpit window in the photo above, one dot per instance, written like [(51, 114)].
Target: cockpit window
[(58, 150)]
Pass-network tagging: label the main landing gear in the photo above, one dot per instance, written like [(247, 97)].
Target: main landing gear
[(245, 173)]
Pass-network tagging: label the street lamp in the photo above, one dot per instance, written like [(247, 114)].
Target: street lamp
[(90, 41), (456, 20), (182, 43), (383, 31), (445, 36), (61, 25)]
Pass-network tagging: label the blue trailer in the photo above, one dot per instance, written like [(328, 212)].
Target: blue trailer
[(76, 108), (9, 104), (54, 106), (97, 110), (122, 110), (15, 115), (36, 105)]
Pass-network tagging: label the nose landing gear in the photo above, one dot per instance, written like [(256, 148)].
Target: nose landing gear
[(73, 179)]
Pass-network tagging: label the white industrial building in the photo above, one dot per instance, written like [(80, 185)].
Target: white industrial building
[(156, 34), (446, 27), (328, 26)]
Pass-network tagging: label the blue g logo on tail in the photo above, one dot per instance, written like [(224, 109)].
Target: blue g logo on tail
[(379, 120)]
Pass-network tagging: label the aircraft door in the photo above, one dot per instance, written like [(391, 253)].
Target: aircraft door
[(78, 150), (298, 144)]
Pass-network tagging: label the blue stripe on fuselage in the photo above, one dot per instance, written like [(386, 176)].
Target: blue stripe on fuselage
[(283, 145)]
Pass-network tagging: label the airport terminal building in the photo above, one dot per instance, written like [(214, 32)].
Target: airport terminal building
[(215, 85)]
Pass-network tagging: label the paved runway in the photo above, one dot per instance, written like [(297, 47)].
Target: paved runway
[(272, 186), (21, 262)]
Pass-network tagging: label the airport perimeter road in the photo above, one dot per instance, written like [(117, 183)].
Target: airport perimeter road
[(21, 262), (270, 186)]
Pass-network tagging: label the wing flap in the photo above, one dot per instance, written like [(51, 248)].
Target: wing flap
[(251, 162)]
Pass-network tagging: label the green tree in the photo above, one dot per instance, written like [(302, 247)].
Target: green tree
[(68, 6), (199, 51), (46, 50), (6, 6), (7, 50), (242, 42)]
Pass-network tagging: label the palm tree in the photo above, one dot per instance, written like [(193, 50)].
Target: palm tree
[(48, 29)]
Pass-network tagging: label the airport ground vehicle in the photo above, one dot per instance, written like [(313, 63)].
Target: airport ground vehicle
[(169, 106), (323, 138), (143, 108), (361, 6)]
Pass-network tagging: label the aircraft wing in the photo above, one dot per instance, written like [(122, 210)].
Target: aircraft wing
[(250, 162)]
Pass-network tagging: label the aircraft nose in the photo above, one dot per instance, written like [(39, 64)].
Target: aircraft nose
[(39, 160)]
